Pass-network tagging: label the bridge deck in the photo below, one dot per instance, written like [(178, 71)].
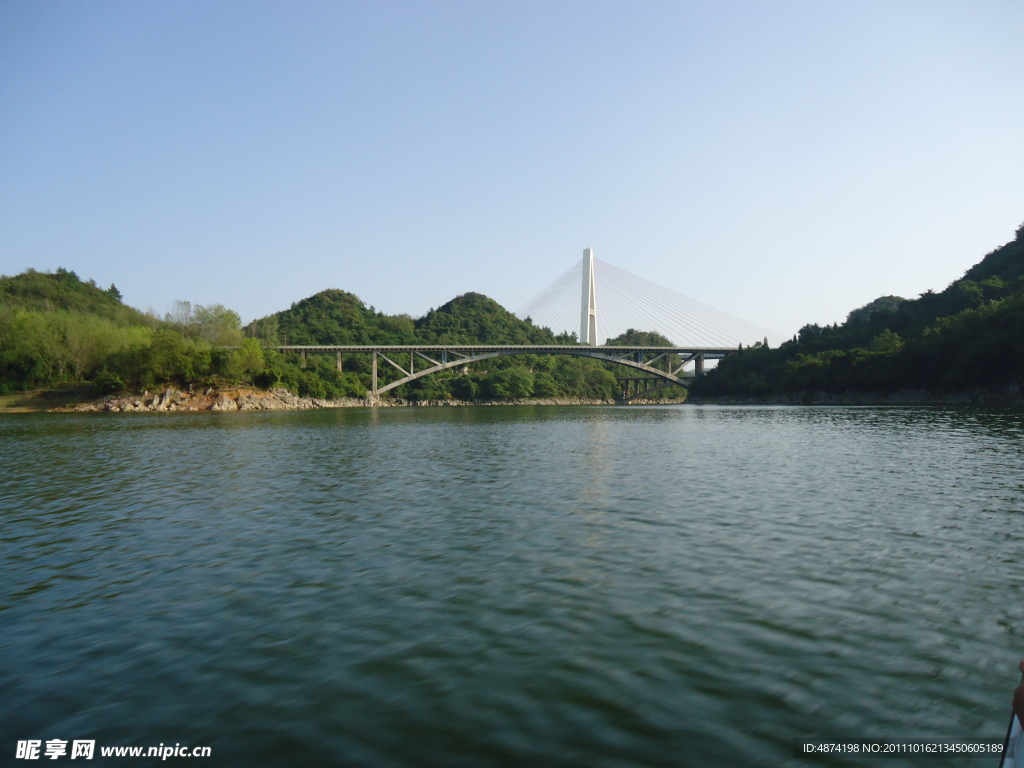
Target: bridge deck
[(457, 355), (527, 349)]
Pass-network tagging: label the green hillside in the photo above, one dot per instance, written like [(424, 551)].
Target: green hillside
[(476, 319), (65, 291), (58, 331), (332, 317), (337, 317), (969, 335)]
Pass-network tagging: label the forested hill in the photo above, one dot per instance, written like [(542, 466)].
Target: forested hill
[(969, 335), (59, 331), (339, 317), (332, 317), (476, 319), (64, 291)]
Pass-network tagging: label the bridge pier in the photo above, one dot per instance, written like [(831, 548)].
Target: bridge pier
[(339, 362), (698, 366)]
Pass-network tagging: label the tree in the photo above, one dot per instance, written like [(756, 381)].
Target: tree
[(887, 341), (171, 356), (214, 323), (635, 338), (464, 388), (180, 314), (881, 304), (508, 384), (247, 362), (218, 325), (266, 329), (544, 385)]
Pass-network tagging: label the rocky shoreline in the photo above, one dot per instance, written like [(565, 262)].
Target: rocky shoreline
[(240, 399), (251, 399), (245, 399)]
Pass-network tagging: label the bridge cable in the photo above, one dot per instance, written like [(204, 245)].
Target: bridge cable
[(680, 307), (625, 301)]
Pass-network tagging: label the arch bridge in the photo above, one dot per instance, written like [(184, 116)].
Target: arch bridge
[(655, 366)]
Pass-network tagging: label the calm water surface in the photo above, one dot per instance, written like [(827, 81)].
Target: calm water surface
[(677, 586)]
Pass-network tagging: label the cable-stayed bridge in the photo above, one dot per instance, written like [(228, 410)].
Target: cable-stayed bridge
[(611, 302), (619, 301)]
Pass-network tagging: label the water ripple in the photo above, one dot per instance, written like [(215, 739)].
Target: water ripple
[(505, 586)]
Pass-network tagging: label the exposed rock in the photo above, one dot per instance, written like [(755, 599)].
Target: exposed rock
[(224, 403), (246, 399)]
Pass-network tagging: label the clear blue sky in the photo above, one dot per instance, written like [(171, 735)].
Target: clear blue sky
[(783, 161)]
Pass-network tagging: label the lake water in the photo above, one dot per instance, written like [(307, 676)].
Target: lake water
[(511, 586)]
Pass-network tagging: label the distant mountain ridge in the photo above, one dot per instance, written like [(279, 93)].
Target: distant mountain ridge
[(969, 335), (339, 317)]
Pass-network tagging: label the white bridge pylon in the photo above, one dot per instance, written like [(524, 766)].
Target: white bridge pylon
[(588, 310), (631, 302)]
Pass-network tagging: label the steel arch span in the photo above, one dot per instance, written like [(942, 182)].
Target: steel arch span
[(447, 356)]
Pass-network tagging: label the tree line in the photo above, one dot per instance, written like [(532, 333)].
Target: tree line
[(969, 335), (57, 330)]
